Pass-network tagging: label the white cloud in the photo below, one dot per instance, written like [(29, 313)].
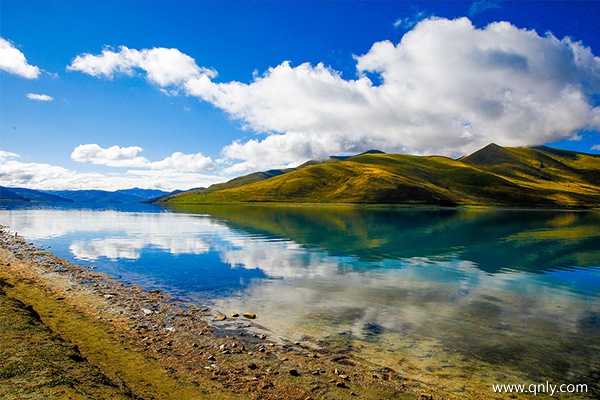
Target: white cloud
[(39, 97), (52, 177), (14, 62), (184, 162), (447, 88), (480, 6), (162, 66), (5, 155), (410, 22), (114, 156), (44, 176)]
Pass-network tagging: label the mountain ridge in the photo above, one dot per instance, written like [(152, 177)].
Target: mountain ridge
[(132, 195), (492, 176)]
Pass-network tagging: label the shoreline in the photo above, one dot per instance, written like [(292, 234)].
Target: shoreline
[(154, 347)]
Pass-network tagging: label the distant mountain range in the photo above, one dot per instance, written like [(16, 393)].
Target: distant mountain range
[(493, 176), (135, 195)]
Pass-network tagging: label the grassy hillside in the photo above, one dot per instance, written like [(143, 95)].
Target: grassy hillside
[(532, 177)]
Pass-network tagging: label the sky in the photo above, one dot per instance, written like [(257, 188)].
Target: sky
[(183, 94)]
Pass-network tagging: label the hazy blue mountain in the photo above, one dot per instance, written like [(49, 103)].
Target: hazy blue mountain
[(134, 195), (7, 194), (37, 195)]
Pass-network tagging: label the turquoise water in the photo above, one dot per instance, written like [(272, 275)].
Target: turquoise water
[(459, 298)]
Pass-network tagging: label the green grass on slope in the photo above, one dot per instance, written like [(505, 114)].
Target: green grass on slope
[(492, 176)]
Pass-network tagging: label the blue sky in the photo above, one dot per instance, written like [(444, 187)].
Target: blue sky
[(182, 94)]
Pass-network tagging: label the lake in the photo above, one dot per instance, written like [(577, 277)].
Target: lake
[(463, 298)]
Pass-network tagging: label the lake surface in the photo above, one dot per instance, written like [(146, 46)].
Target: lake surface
[(459, 298)]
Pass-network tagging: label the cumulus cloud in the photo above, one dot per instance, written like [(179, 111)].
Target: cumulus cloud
[(39, 97), (184, 162), (13, 61), (52, 177), (116, 156), (446, 88), (5, 155), (162, 66)]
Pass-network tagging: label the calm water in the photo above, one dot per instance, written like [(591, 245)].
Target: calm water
[(462, 298)]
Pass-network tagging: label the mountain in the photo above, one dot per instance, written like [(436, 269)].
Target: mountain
[(37, 195), (161, 197), (22, 194), (134, 195), (9, 195), (493, 176)]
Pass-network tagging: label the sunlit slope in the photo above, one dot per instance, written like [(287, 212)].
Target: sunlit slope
[(567, 178), (491, 176)]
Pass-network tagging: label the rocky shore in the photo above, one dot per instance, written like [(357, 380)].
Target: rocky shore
[(145, 345)]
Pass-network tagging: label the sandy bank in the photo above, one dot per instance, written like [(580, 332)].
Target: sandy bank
[(138, 344)]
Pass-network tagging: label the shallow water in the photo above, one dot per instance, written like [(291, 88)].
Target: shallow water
[(460, 298)]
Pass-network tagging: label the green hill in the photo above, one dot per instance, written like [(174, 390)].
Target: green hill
[(494, 175)]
